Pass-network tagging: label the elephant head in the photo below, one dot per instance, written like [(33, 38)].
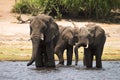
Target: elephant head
[(69, 35), (42, 27), (88, 35), (83, 37)]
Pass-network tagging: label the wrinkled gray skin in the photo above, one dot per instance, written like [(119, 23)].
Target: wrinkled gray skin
[(66, 41), (44, 32), (92, 38)]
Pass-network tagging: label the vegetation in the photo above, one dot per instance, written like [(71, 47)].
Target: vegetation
[(21, 51), (70, 8)]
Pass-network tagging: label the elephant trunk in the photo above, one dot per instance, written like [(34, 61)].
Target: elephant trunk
[(35, 45), (76, 53), (76, 49)]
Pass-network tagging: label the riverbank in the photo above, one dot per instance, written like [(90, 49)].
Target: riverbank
[(14, 44)]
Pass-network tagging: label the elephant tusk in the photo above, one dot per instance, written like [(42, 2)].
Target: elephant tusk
[(86, 46), (42, 37)]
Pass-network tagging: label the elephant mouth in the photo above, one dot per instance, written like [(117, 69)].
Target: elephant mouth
[(86, 44), (83, 45), (37, 36)]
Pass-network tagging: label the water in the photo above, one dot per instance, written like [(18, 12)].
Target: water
[(19, 71)]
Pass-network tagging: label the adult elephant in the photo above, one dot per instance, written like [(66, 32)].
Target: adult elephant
[(44, 33), (66, 41), (92, 38)]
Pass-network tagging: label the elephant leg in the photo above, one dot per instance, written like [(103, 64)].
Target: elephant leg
[(60, 56), (98, 61), (69, 55), (45, 59), (84, 60), (44, 54), (59, 52), (39, 58), (88, 58), (50, 54), (39, 61), (98, 57)]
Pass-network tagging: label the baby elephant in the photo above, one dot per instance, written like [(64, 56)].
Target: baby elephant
[(92, 38), (67, 39)]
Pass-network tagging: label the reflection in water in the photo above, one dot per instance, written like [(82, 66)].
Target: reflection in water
[(45, 70)]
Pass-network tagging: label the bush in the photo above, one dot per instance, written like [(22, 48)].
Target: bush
[(21, 7), (71, 8)]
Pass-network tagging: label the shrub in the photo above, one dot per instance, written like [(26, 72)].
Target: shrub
[(71, 8)]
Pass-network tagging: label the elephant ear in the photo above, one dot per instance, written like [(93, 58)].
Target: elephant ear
[(76, 33), (68, 35), (51, 32), (92, 29), (96, 30)]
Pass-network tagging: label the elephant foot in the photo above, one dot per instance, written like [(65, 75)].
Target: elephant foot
[(39, 64), (60, 65), (99, 67), (68, 64), (40, 67), (50, 65), (76, 64), (62, 62), (88, 67)]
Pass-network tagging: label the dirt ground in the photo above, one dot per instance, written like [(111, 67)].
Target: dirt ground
[(11, 32)]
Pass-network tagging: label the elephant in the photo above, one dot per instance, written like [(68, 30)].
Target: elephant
[(44, 33), (92, 38), (67, 39)]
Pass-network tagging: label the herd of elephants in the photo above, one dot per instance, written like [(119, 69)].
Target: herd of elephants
[(48, 38)]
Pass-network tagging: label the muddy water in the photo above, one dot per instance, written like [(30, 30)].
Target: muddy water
[(19, 71)]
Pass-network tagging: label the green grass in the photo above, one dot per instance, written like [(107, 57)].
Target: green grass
[(14, 54), (111, 53), (21, 51), (15, 50)]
